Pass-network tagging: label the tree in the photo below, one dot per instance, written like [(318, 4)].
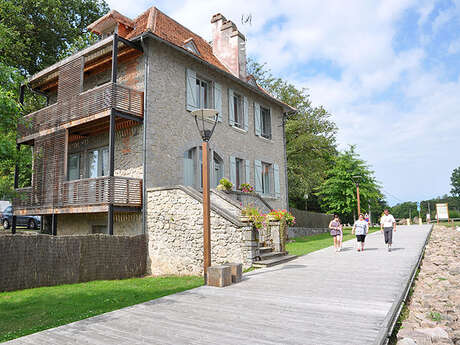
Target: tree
[(338, 191), (455, 182), (34, 32), (310, 136)]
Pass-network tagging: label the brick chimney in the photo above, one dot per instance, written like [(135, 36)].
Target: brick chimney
[(229, 45)]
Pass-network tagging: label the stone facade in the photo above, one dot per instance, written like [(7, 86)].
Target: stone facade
[(175, 234), (171, 130)]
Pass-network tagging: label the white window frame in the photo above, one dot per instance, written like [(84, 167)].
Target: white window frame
[(265, 112)]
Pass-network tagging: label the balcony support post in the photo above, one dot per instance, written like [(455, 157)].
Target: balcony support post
[(54, 224), (16, 166), (112, 137)]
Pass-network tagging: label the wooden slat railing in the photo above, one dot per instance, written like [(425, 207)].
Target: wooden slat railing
[(87, 103)]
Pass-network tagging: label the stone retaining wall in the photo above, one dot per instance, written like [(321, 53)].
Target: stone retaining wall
[(28, 261), (175, 233), (299, 232)]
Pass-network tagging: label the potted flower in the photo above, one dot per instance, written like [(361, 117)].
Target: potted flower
[(246, 188), (224, 185)]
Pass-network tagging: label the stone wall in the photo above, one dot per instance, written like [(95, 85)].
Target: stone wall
[(29, 261), (82, 224), (171, 130), (299, 232), (175, 234)]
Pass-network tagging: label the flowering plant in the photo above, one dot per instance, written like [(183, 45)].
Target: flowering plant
[(283, 215), (224, 184), (246, 188), (254, 216)]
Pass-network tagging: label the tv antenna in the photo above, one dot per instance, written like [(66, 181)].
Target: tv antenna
[(246, 19)]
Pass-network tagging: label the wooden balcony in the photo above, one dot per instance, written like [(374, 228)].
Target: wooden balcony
[(81, 196), (84, 107)]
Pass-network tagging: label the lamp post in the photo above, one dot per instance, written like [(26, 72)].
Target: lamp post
[(355, 179), (206, 120)]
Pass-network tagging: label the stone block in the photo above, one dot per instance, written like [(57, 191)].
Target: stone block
[(237, 271), (219, 275)]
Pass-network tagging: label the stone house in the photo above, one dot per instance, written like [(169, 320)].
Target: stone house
[(116, 141)]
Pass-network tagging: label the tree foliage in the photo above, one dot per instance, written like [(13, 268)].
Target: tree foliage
[(455, 182), (338, 191), (310, 136), (33, 33)]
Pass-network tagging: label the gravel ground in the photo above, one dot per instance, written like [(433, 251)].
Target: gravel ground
[(434, 308)]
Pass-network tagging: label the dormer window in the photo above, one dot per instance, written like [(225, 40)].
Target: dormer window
[(191, 46)]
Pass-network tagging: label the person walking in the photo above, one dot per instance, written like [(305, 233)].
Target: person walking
[(361, 228), (340, 237), (334, 226), (388, 226)]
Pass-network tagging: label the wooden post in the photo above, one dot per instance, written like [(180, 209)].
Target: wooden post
[(357, 196), (206, 212), (16, 166)]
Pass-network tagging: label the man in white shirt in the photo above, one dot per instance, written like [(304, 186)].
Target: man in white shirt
[(387, 226)]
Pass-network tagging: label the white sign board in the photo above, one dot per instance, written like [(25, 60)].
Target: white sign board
[(442, 211)]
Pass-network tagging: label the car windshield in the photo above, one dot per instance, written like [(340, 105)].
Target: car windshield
[(7, 210)]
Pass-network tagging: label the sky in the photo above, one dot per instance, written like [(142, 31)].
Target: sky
[(388, 72)]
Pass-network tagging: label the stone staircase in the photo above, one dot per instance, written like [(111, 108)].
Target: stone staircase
[(269, 258)]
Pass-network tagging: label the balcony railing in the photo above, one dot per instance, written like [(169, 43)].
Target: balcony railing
[(87, 103), (117, 190), (123, 191)]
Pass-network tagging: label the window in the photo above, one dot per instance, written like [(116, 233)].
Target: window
[(190, 45), (266, 180), (98, 163), (265, 122), (239, 172), (203, 94), (238, 111), (193, 168), (73, 169), (218, 169)]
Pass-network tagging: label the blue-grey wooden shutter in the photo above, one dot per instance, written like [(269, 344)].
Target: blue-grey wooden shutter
[(276, 176), (258, 176), (233, 171), (247, 171), (231, 108), (218, 100), (190, 80), (189, 176), (257, 118), (245, 113)]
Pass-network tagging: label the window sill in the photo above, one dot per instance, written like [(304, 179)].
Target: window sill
[(265, 139), (238, 129), (269, 196)]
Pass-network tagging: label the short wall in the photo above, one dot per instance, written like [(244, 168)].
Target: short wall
[(308, 219), (175, 234), (299, 232), (29, 261), (127, 224)]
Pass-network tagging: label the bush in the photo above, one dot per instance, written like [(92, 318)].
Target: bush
[(225, 184)]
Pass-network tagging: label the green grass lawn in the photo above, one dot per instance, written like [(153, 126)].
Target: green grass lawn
[(307, 244), (28, 311)]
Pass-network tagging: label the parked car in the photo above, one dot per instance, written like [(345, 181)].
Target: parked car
[(32, 222)]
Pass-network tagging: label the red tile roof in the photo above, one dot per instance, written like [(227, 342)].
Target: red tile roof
[(168, 29)]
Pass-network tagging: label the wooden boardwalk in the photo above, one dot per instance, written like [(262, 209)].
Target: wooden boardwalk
[(323, 298)]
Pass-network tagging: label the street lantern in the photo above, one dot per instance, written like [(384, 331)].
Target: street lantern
[(206, 120), (355, 180)]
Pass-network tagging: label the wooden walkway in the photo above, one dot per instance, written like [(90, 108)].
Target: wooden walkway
[(323, 298)]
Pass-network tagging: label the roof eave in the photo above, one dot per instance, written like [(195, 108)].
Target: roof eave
[(286, 108)]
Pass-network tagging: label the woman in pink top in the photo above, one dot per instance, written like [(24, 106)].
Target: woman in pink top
[(336, 232)]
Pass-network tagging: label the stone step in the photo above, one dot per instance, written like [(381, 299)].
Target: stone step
[(271, 255), (274, 262), (263, 250)]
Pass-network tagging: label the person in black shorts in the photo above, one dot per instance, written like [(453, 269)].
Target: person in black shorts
[(361, 228)]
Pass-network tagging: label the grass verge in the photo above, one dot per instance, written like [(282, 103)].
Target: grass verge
[(307, 244), (28, 311)]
